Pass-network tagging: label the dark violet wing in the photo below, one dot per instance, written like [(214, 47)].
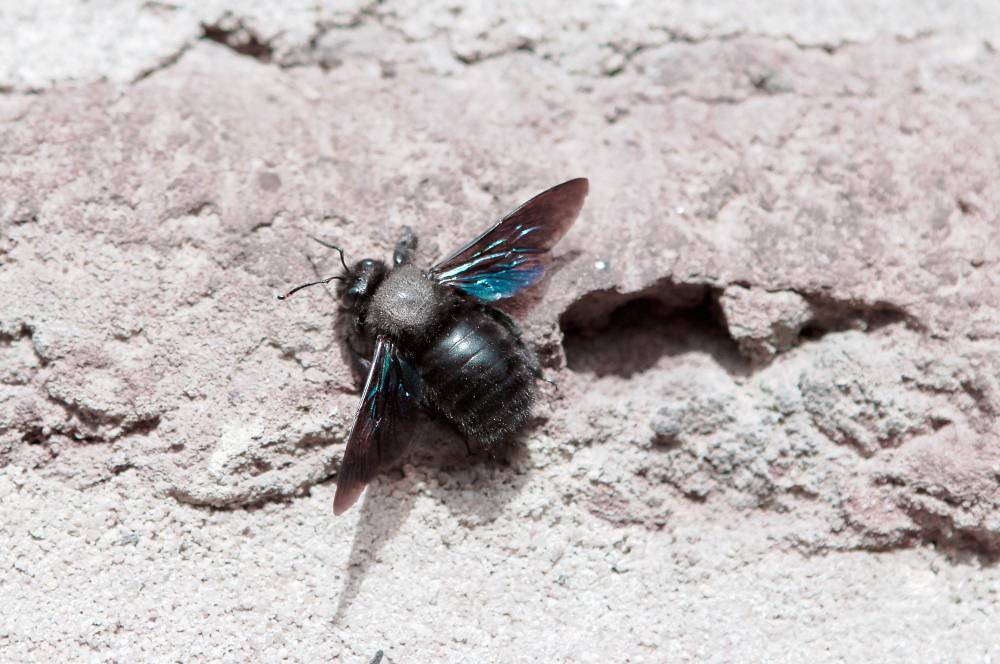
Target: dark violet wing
[(378, 437), (509, 257)]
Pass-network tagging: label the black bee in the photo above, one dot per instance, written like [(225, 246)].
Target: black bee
[(434, 339)]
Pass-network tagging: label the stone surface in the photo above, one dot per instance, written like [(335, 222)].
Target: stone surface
[(774, 330)]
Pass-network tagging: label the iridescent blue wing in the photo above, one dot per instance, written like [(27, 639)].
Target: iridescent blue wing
[(509, 257), (378, 436)]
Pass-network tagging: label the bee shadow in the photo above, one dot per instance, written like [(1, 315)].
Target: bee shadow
[(475, 487), (384, 509)]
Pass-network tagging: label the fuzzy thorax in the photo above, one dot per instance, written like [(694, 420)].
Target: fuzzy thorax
[(407, 305)]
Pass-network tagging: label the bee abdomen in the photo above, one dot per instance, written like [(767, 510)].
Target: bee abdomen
[(480, 376)]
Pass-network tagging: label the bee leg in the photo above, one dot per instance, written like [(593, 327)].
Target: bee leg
[(361, 364), (356, 346), (551, 382), (412, 382), (405, 248), (504, 320)]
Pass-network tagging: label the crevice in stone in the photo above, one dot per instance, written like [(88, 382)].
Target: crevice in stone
[(958, 545), (34, 435), (937, 513), (978, 392), (24, 331), (94, 426), (203, 208), (233, 34), (247, 504), (936, 517), (165, 63), (928, 530), (198, 209), (526, 46), (261, 225)]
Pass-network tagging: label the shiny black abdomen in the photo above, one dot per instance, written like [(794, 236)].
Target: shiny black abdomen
[(480, 376)]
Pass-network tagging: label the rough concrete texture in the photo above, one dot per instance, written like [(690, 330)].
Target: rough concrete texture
[(774, 329)]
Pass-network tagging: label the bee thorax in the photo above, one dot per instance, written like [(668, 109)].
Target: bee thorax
[(406, 304)]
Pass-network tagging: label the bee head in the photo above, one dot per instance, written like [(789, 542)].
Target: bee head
[(360, 282)]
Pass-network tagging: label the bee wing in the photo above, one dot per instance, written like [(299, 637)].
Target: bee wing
[(376, 439), (509, 257)]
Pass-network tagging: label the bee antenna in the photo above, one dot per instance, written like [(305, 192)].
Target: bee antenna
[(312, 283), (337, 249)]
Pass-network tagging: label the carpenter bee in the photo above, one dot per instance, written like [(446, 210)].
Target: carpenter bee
[(435, 340)]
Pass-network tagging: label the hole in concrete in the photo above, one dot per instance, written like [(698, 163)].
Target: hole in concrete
[(609, 333)]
